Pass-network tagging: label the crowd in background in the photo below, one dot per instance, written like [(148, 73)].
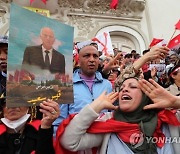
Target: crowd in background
[(161, 70)]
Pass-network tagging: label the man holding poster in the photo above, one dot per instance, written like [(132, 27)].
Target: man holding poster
[(44, 56)]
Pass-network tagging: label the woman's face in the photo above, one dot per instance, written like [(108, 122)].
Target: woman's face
[(113, 75), (130, 95), (176, 75)]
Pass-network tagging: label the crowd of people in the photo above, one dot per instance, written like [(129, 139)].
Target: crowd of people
[(117, 99)]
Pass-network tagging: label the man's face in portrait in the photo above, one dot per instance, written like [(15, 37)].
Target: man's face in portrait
[(47, 37)]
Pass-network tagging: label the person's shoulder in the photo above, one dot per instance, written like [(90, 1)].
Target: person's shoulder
[(100, 77), (35, 124), (33, 47), (1, 76), (76, 77), (102, 80), (2, 128), (106, 81), (171, 86), (58, 53)]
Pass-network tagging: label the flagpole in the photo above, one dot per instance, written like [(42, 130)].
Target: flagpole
[(171, 37)]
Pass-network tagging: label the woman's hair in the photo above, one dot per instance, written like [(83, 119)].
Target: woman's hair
[(128, 72), (172, 72)]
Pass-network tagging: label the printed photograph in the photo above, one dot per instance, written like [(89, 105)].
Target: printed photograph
[(39, 59)]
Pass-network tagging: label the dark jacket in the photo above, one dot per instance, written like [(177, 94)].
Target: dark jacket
[(33, 140), (33, 57), (2, 84)]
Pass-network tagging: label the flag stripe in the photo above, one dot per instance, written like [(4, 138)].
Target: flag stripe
[(113, 4), (174, 42), (177, 26), (154, 42)]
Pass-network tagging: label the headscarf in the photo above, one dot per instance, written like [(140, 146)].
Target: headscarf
[(147, 119)]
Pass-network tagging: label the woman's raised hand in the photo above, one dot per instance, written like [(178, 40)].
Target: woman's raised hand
[(105, 101)]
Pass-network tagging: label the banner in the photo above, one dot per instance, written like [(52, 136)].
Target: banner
[(104, 43)]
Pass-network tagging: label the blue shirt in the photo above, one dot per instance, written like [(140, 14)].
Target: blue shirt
[(82, 95)]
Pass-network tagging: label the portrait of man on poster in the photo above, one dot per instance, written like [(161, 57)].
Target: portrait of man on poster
[(44, 56)]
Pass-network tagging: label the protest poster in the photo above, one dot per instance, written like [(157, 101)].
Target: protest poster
[(40, 64)]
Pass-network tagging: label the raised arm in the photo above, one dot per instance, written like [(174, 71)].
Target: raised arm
[(50, 110), (75, 136), (112, 64), (154, 53)]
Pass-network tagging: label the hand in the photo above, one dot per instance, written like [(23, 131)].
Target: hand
[(157, 52), (160, 96), (153, 72), (154, 53), (51, 112), (105, 101), (119, 56), (113, 63)]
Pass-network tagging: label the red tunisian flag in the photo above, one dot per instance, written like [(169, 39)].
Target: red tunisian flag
[(177, 26), (174, 42), (154, 42), (114, 4)]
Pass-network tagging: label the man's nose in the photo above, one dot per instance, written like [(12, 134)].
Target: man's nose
[(91, 58)]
